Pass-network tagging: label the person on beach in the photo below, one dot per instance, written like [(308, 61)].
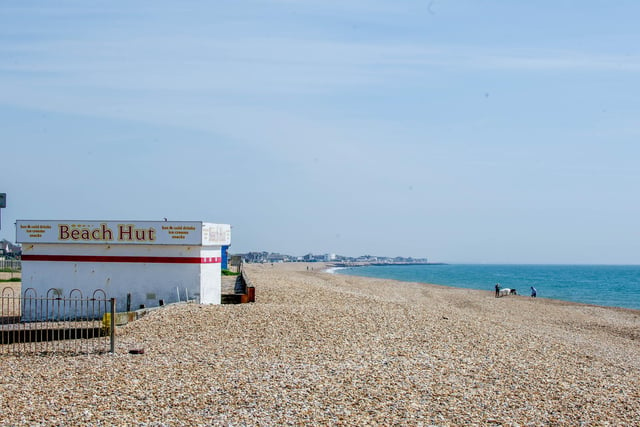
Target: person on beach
[(497, 290), (534, 292)]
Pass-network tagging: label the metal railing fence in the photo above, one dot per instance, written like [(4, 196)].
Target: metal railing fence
[(55, 324), (11, 264)]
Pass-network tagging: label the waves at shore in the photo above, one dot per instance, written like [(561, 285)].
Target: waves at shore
[(613, 286)]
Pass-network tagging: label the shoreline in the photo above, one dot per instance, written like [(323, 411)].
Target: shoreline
[(637, 309)]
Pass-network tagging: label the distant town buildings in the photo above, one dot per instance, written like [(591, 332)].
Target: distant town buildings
[(8, 250), (273, 257)]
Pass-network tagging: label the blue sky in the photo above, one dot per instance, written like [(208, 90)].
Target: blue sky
[(461, 131)]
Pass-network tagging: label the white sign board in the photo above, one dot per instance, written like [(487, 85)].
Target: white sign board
[(216, 234), (187, 233)]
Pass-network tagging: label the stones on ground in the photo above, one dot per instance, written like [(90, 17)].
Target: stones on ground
[(326, 349)]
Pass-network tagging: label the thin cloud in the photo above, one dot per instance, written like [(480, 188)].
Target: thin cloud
[(278, 63)]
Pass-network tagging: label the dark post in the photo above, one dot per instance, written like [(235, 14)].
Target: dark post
[(3, 204), (112, 327), (128, 302)]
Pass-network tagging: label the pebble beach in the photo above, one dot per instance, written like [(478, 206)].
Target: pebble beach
[(324, 349)]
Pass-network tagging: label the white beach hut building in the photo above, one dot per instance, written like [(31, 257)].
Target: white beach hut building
[(145, 262)]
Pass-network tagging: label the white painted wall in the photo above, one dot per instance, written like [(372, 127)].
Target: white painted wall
[(146, 282), (211, 277)]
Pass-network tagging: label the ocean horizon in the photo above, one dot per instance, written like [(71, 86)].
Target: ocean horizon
[(604, 285)]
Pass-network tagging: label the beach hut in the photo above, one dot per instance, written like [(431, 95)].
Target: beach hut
[(140, 263)]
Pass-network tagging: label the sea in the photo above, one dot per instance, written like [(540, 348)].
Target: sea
[(605, 285)]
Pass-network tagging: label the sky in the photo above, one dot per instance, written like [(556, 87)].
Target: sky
[(461, 131)]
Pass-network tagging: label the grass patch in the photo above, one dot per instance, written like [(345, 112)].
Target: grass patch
[(226, 272), (9, 270), (13, 279)]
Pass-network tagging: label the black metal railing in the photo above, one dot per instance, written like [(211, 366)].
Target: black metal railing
[(56, 324), (11, 264)]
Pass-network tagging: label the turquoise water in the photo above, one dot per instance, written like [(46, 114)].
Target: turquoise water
[(614, 286)]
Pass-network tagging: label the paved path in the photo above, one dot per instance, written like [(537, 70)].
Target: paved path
[(229, 284)]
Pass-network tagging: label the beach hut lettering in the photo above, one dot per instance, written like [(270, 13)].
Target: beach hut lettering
[(125, 233)]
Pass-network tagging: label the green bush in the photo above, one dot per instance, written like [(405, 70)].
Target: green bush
[(13, 279), (226, 272)]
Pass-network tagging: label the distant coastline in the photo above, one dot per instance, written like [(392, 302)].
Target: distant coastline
[(367, 264)]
